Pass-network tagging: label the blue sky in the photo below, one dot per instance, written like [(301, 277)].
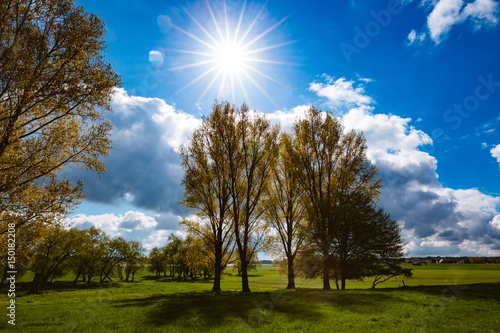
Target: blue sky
[(420, 78)]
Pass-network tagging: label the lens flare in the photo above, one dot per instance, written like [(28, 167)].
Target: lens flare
[(231, 54)]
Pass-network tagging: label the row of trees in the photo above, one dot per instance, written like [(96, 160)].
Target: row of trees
[(90, 253), (87, 253), (313, 190), (189, 258)]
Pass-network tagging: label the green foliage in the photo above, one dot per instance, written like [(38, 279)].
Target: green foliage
[(55, 88)]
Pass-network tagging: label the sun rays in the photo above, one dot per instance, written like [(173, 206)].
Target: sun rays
[(229, 53)]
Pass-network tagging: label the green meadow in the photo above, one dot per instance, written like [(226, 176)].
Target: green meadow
[(439, 298)]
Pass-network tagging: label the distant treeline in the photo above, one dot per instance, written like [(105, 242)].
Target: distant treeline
[(454, 260)]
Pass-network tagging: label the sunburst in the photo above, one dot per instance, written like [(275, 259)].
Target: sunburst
[(230, 53)]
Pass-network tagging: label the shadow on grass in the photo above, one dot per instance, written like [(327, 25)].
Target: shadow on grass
[(188, 310), (169, 279), (58, 286), (484, 291)]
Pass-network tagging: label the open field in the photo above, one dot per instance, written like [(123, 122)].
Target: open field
[(444, 298)]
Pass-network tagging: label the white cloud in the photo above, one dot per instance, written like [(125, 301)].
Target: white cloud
[(286, 119), (495, 152), (447, 13), (341, 92), (415, 38), (412, 36), (132, 225), (482, 10), (175, 125)]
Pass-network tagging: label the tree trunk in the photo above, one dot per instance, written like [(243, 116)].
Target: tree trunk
[(36, 285), (127, 274), (343, 283), (4, 277), (244, 276), (326, 273), (76, 279), (218, 272), (291, 274)]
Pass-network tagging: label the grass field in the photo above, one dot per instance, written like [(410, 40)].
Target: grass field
[(440, 298)]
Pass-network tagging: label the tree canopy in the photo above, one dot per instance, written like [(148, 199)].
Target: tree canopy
[(55, 89)]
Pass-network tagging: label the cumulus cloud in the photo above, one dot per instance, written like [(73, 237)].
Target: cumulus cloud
[(341, 92), (435, 220), (132, 225), (144, 165), (445, 14)]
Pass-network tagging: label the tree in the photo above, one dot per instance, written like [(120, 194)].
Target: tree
[(51, 255), (332, 168), (55, 88), (206, 183), (174, 253), (285, 209), (117, 250), (85, 261), (199, 258), (254, 148), (358, 235), (156, 261), (371, 245), (133, 259)]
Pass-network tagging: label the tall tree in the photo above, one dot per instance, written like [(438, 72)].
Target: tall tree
[(357, 190), (255, 145), (333, 169), (206, 183), (55, 88), (285, 209), (227, 168)]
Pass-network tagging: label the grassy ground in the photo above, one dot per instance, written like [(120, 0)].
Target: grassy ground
[(440, 298)]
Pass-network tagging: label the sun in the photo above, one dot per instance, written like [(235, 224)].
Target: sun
[(229, 51), (230, 57)]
